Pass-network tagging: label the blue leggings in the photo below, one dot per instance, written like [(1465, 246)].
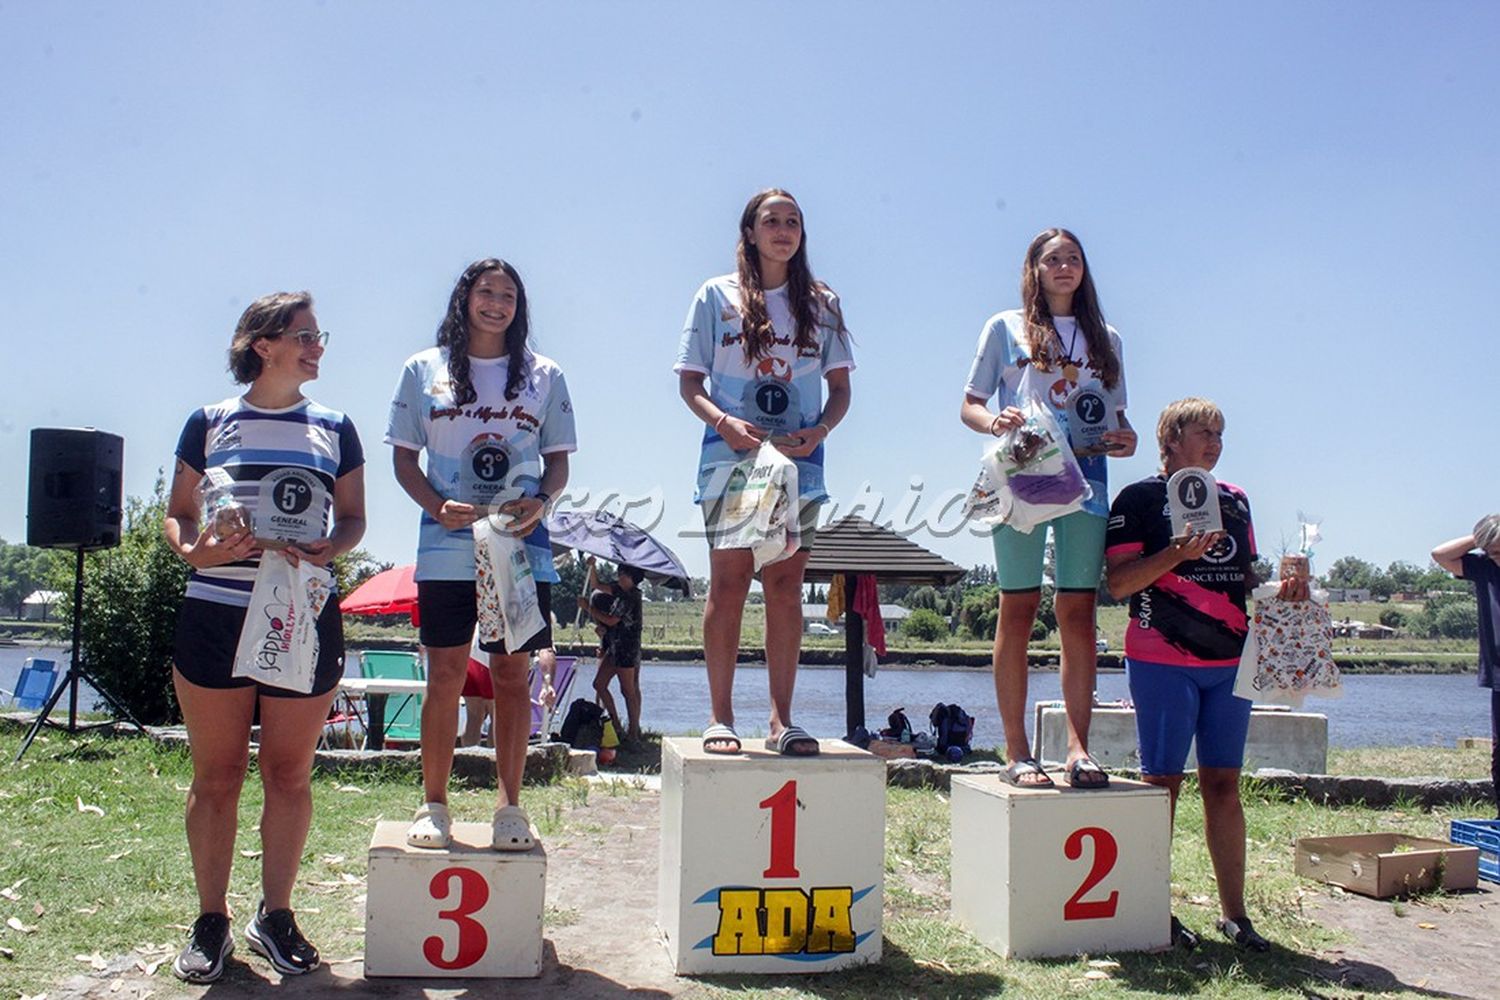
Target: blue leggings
[(1175, 704)]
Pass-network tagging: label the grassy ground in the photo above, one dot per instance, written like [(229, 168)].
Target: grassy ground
[(93, 864)]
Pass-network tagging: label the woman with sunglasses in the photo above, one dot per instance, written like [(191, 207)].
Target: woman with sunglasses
[(270, 435)]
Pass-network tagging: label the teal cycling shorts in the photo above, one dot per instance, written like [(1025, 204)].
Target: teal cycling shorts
[(1078, 539)]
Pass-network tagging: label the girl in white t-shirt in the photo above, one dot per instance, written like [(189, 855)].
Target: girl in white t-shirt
[(757, 351), (1055, 346), (496, 426)]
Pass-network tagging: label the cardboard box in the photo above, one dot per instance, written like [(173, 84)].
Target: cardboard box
[(1382, 865), (891, 750)]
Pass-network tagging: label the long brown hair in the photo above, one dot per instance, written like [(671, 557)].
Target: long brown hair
[(1040, 333), (453, 332), (805, 292)]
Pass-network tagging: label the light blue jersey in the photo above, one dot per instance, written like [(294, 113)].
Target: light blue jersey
[(486, 452), (1001, 368), (781, 392)]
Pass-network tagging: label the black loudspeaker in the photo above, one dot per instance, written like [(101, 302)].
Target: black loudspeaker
[(75, 495)]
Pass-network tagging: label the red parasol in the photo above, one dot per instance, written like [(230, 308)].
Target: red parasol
[(391, 592)]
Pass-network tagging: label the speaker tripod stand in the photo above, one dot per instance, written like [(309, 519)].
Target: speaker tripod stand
[(71, 679)]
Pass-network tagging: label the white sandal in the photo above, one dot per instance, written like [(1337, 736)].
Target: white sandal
[(431, 826), (511, 830)]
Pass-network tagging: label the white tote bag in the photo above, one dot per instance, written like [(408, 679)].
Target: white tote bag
[(759, 511), (279, 641), (506, 589)]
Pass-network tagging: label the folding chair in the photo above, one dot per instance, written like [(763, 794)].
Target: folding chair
[(34, 686), (562, 684), (403, 713)]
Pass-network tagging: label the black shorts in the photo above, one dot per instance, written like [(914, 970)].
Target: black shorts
[(209, 632), (449, 610)]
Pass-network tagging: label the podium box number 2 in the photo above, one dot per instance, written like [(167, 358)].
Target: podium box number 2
[(1049, 872), (771, 864), (464, 911)]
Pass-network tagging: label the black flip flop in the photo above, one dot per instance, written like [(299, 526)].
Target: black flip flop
[(1023, 766), (1087, 765)]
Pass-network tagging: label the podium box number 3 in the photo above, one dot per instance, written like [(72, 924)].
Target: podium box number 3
[(465, 911), (1050, 872), (771, 864)]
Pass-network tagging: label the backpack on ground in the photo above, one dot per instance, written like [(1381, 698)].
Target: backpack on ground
[(952, 726), (898, 727), (583, 726)]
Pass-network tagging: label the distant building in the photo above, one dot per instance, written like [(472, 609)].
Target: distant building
[(39, 606), (1349, 595), (892, 615)]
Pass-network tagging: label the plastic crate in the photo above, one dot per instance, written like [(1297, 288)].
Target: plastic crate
[(1485, 835)]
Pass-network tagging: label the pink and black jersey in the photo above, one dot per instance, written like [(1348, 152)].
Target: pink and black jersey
[(1193, 616)]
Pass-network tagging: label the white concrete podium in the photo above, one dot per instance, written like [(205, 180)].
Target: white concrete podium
[(1049, 872), (771, 864), (464, 911)]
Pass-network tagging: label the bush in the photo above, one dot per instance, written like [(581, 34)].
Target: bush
[(925, 625), (131, 595), (979, 612), (1457, 621), (1391, 618)]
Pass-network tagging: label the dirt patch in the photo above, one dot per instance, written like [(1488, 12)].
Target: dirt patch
[(1442, 945)]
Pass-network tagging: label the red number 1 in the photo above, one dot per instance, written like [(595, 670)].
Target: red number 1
[(473, 893), (783, 806), (1106, 853)]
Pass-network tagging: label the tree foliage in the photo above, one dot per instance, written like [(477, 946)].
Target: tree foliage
[(925, 625), (25, 570), (355, 567), (131, 596)]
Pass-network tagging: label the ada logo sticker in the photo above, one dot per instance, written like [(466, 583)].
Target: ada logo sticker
[(793, 923)]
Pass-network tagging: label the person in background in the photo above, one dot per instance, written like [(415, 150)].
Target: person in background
[(276, 349), (1187, 629), (1476, 558), (617, 607)]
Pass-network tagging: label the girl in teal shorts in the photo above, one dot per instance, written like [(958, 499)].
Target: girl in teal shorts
[(1057, 344)]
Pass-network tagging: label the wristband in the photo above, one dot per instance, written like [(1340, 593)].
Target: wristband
[(996, 420), (826, 429), (545, 498), (722, 417)]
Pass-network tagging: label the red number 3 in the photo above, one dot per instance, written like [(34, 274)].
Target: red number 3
[(473, 893), (1106, 853)]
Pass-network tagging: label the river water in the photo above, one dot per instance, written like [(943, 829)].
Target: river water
[(1376, 710)]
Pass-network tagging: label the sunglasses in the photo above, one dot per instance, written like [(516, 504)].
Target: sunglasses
[(307, 338)]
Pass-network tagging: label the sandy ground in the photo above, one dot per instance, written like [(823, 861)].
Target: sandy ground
[(601, 939)]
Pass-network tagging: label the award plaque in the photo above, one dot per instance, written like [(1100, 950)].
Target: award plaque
[(290, 508), (1193, 501), (1091, 415), (770, 400), (484, 470)]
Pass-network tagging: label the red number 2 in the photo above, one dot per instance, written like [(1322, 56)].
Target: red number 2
[(473, 893), (783, 806), (1106, 853)]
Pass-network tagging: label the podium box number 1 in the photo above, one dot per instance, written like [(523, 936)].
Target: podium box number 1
[(463, 911), (1047, 872), (771, 864)]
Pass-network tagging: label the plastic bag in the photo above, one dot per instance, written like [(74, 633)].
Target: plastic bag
[(759, 511), (222, 514), (505, 589), (1288, 652), (279, 641), (1030, 476)]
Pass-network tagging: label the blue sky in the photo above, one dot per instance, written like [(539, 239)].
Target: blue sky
[(1288, 207)]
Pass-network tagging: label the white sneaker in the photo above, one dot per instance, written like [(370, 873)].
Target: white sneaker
[(511, 830), (431, 826)]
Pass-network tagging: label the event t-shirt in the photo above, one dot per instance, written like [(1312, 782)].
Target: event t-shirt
[(487, 452), (1485, 575), (1194, 615), (781, 392), (292, 455), (1002, 368)]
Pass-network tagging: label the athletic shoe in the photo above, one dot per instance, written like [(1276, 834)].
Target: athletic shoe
[(1182, 937), (1243, 934), (275, 935), (202, 958)]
